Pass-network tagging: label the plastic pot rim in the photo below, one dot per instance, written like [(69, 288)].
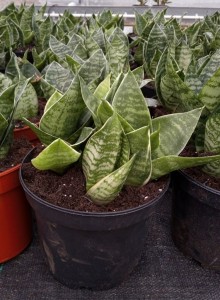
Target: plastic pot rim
[(199, 184)]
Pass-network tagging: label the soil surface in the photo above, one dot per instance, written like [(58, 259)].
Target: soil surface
[(35, 119), (16, 154), (69, 191)]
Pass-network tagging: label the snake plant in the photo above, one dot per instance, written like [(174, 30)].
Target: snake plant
[(13, 101), (126, 146), (154, 34), (197, 86)]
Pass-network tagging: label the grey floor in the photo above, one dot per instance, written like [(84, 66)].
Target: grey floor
[(163, 273)]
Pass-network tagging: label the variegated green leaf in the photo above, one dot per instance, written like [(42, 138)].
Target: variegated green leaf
[(73, 65), (47, 88), (93, 67), (84, 135), (91, 101), (156, 34), (58, 48), (139, 141), (3, 125), (59, 77), (129, 102), (210, 93), (183, 55), (12, 68), (53, 99), (192, 78), (153, 64), (99, 37), (114, 87), (7, 101), (103, 88), (140, 23), (67, 110), (91, 45), (104, 111), (28, 102), (81, 52), (160, 72), (28, 69), (74, 41), (212, 142), (108, 188), (175, 131), (5, 82), (210, 68), (176, 93), (56, 157), (117, 53), (139, 74), (167, 164), (26, 23), (102, 151), (44, 137)]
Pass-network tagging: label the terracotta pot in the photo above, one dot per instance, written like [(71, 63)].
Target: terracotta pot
[(90, 249), (196, 220), (27, 133), (15, 216)]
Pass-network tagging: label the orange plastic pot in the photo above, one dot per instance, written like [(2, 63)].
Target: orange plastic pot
[(26, 133), (15, 216)]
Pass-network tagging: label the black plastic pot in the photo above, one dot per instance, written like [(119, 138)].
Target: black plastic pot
[(196, 220), (92, 250)]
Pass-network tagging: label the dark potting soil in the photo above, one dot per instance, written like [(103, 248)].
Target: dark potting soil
[(35, 119), (196, 173), (68, 190), (16, 154)]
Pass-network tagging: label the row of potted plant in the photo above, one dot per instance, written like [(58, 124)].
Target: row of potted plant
[(103, 152)]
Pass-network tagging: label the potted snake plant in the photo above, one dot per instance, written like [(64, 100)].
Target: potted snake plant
[(90, 187), (15, 213), (196, 208)]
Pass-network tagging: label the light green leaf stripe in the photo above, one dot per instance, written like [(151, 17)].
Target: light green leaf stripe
[(56, 157), (101, 151), (129, 102), (175, 131), (164, 165), (108, 188), (139, 141)]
